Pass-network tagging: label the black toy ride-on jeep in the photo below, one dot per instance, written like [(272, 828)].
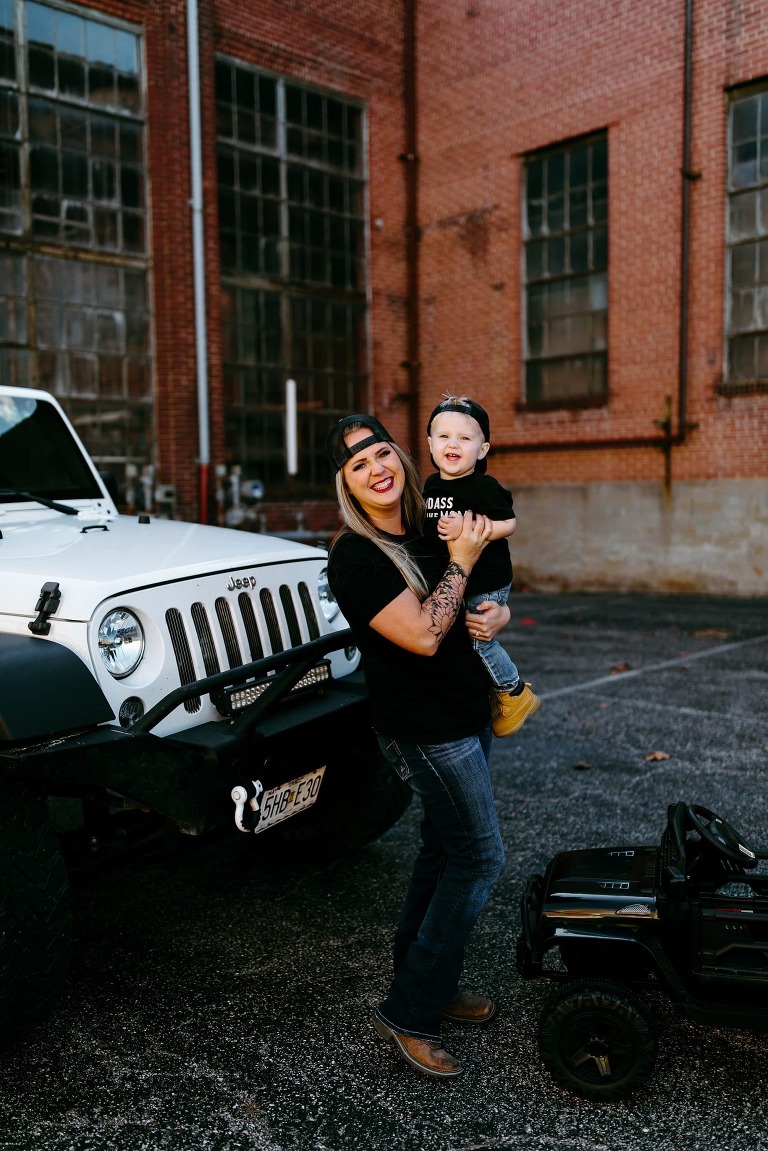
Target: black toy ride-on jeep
[(612, 927)]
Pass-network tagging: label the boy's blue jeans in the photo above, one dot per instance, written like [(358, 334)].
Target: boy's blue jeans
[(504, 675), (460, 858)]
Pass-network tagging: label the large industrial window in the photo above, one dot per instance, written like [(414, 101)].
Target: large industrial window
[(74, 308), (565, 233), (747, 320), (292, 236)]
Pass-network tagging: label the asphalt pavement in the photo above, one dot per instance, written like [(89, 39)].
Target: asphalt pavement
[(221, 1003)]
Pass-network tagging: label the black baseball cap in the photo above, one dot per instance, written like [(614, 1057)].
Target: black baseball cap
[(336, 448), (466, 408)]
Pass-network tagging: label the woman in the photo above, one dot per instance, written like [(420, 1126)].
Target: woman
[(431, 714)]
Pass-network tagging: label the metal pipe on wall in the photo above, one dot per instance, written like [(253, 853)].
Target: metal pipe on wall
[(410, 159), (198, 255)]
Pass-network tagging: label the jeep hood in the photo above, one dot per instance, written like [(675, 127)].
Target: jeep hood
[(93, 561)]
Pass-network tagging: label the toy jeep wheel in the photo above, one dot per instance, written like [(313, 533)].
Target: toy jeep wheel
[(597, 1040), (35, 912)]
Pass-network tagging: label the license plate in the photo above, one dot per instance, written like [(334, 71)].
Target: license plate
[(289, 799)]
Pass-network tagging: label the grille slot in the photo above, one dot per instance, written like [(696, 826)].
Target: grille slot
[(273, 623), (286, 599), (309, 611), (226, 623), (251, 627), (183, 653), (205, 636)]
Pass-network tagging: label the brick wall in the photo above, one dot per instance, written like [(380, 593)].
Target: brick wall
[(496, 79), (352, 48), (501, 79)]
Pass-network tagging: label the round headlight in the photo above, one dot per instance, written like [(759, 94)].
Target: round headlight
[(327, 599), (121, 642)]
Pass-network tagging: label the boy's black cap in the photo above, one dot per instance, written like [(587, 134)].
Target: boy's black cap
[(466, 408), (336, 448)]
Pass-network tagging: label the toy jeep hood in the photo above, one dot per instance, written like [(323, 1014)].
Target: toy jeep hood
[(94, 555), (596, 881)]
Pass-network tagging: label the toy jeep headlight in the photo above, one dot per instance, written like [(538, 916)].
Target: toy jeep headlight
[(327, 599), (121, 642)]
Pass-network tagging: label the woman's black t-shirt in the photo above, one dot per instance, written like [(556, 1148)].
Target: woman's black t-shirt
[(415, 698)]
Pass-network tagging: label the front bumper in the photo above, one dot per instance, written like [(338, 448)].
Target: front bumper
[(189, 776)]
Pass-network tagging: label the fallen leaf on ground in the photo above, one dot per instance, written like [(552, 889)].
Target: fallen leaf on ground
[(654, 755), (715, 632), (582, 765), (618, 668)]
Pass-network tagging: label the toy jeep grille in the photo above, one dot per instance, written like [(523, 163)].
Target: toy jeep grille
[(240, 629)]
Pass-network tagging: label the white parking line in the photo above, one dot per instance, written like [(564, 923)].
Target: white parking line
[(621, 676)]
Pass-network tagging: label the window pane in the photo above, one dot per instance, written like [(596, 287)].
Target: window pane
[(292, 253), (67, 323), (566, 238), (747, 264)]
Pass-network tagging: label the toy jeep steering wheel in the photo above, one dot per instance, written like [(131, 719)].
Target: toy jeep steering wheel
[(720, 835)]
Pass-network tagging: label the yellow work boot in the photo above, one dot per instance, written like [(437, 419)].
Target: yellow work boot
[(509, 712)]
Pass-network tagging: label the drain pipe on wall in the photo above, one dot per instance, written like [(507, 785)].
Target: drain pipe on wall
[(198, 256)]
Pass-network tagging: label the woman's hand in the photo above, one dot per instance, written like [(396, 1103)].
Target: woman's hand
[(489, 619), (466, 548)]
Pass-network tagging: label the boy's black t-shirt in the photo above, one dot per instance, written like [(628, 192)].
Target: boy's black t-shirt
[(483, 495), (415, 698)]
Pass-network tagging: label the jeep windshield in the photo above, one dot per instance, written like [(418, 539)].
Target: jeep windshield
[(38, 457)]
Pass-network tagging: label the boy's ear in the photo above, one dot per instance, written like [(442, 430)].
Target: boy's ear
[(484, 451)]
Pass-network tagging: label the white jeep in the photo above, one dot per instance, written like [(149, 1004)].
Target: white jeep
[(200, 674)]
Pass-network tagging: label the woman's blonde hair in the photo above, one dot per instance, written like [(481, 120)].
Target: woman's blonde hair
[(357, 521)]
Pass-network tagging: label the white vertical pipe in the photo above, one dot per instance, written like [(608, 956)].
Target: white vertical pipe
[(198, 255), (291, 429)]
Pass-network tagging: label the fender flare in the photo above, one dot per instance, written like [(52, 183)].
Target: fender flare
[(631, 937), (45, 690)]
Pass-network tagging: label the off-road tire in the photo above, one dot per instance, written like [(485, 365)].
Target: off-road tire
[(597, 1039), (35, 911)]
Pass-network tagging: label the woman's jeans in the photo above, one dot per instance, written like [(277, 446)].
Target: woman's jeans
[(460, 858), (504, 675)]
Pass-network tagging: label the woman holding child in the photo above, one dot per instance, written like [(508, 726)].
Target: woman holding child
[(431, 713)]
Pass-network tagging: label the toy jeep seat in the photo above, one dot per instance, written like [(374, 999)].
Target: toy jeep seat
[(670, 862)]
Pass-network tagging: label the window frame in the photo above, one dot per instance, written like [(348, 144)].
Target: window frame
[(595, 274), (326, 388), (109, 340), (730, 384)]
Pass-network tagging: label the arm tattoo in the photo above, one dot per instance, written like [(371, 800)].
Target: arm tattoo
[(445, 602)]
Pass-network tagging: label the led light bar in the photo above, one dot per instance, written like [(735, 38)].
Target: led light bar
[(234, 699)]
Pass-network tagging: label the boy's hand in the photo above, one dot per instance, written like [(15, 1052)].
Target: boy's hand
[(449, 526)]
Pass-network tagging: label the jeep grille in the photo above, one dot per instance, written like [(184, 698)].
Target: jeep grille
[(238, 631)]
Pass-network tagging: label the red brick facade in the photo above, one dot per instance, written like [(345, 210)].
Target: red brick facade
[(500, 80), (495, 80)]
